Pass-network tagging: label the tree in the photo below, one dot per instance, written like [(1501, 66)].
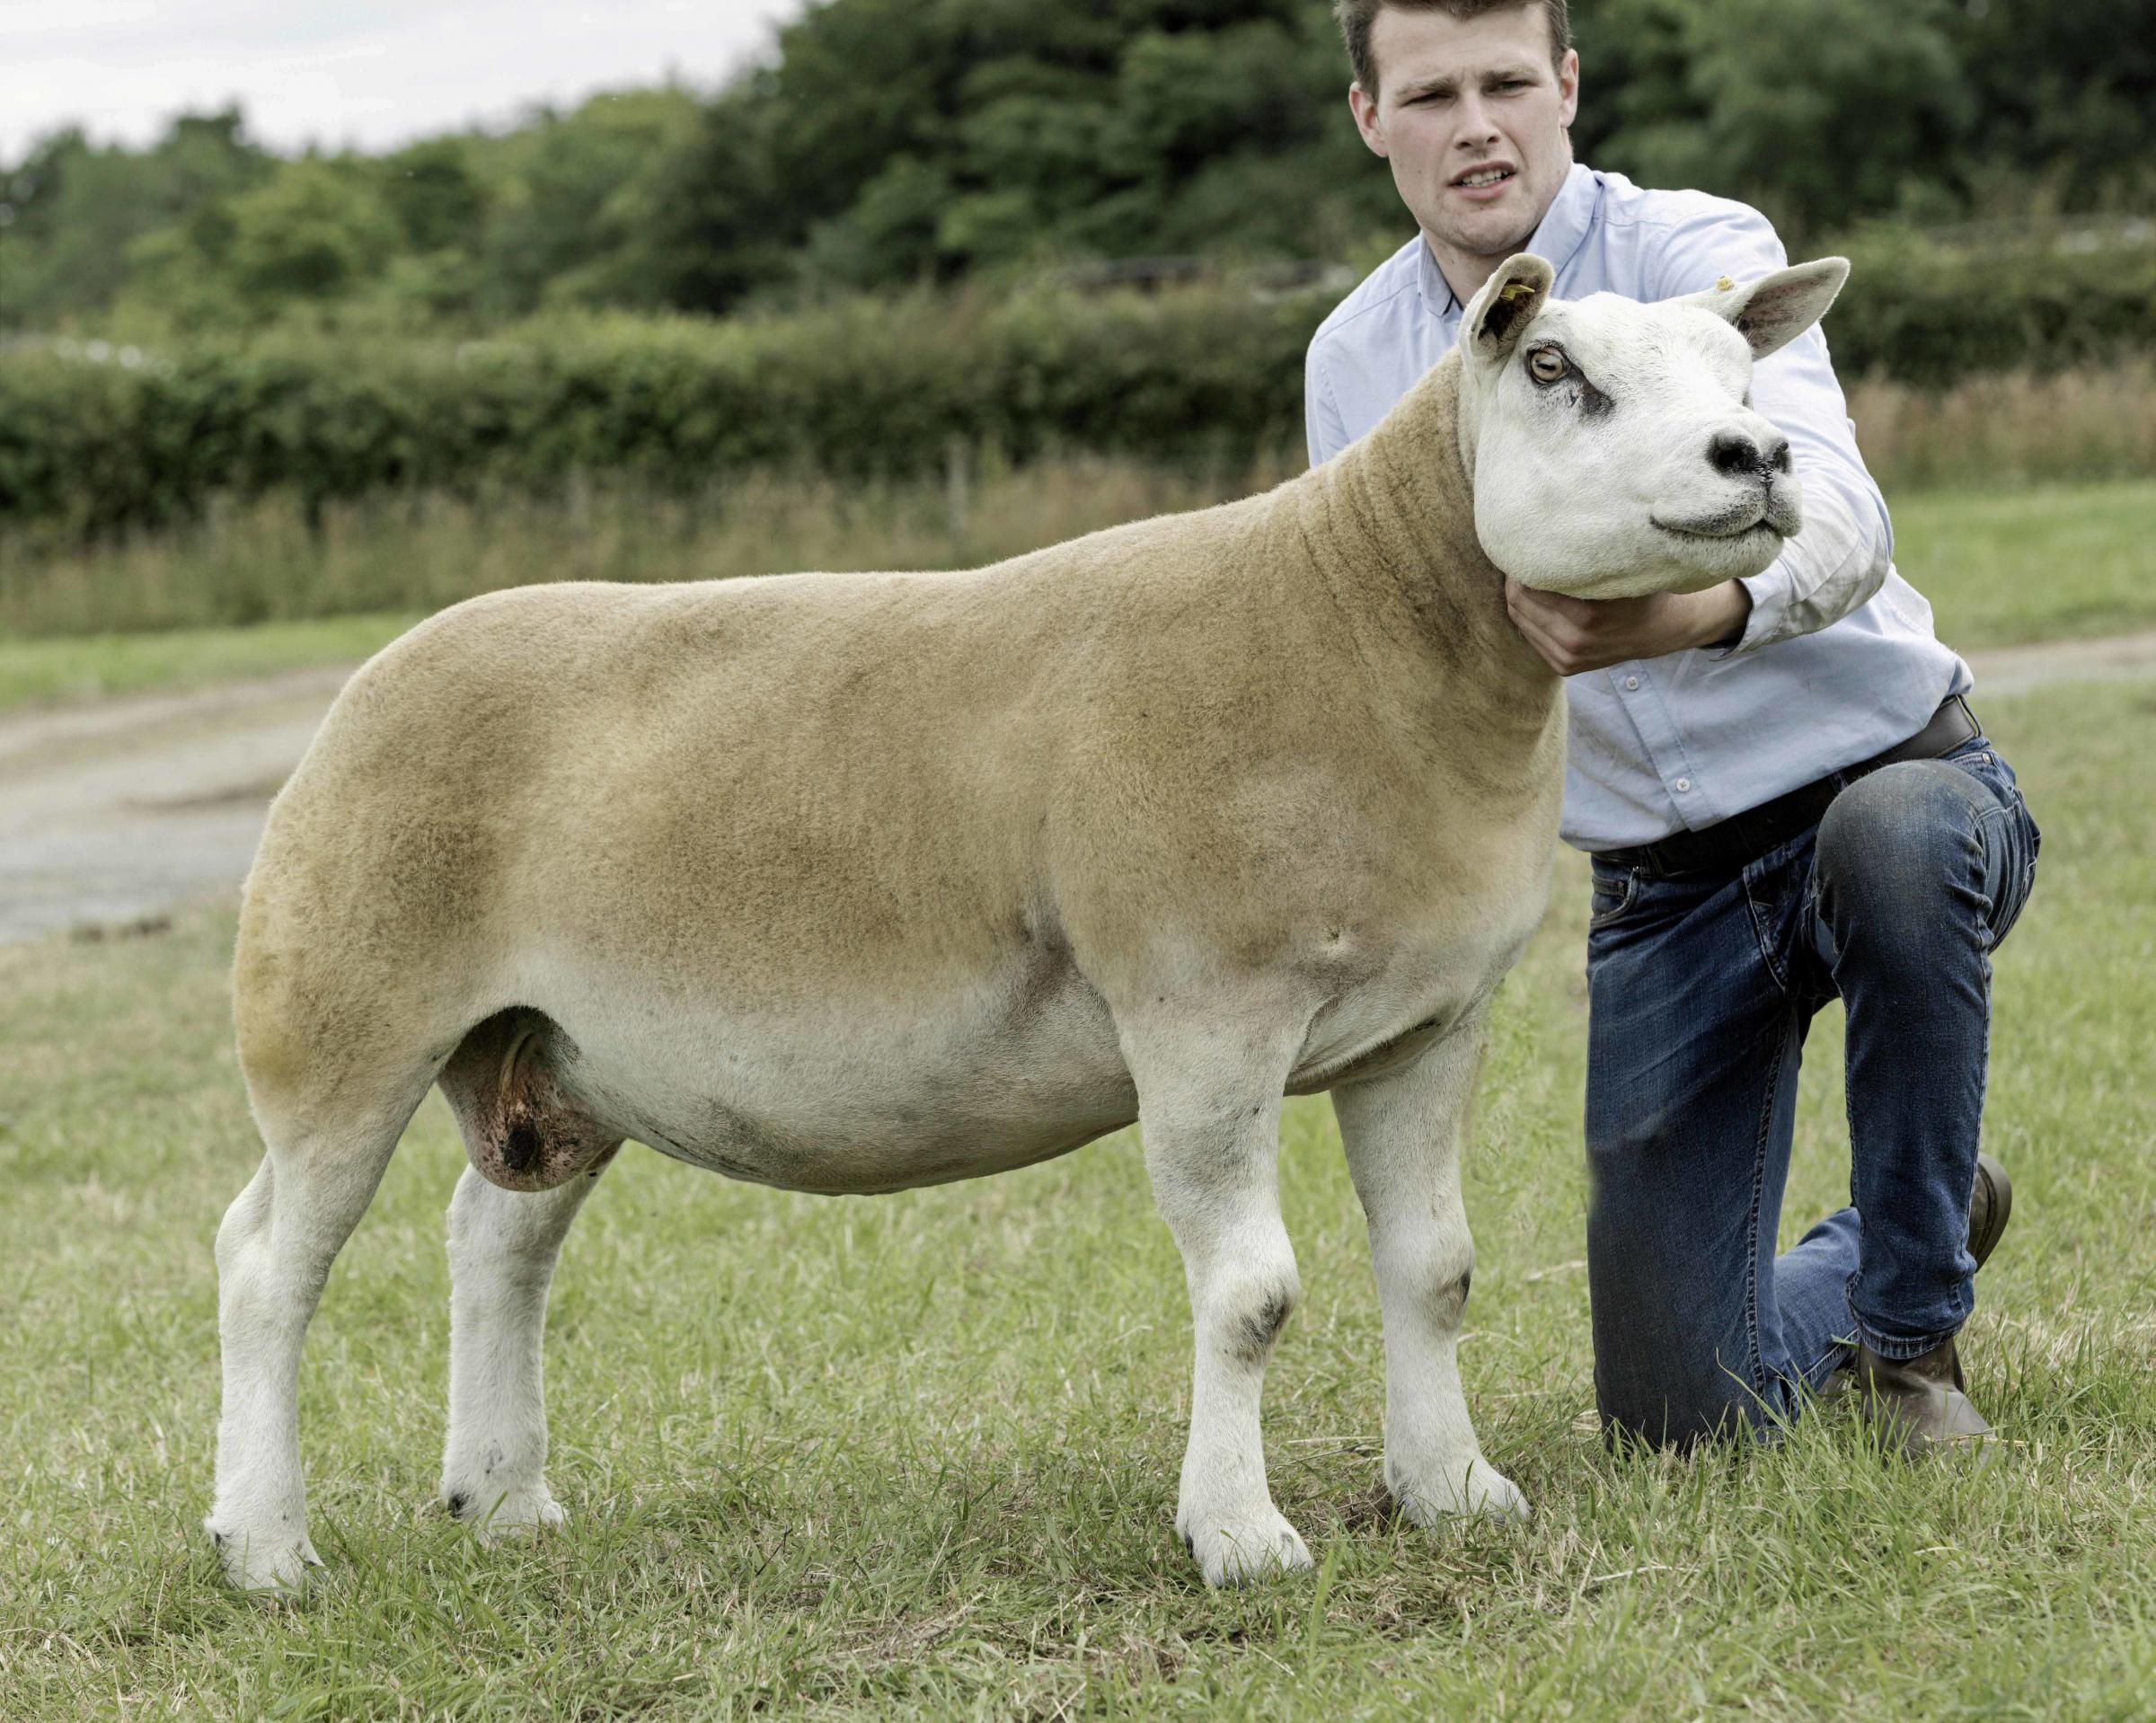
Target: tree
[(722, 226), (903, 138), (316, 231), (435, 196), (1819, 112), (76, 209), (894, 141), (2065, 93), (571, 192)]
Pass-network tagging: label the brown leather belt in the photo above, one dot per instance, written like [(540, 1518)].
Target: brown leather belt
[(1727, 844)]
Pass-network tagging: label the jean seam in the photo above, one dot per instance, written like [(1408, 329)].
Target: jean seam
[(1962, 1306), (1752, 1249), (1833, 1358), (1988, 939), (1963, 1300)]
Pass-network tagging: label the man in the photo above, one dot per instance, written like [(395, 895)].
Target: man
[(1786, 800)]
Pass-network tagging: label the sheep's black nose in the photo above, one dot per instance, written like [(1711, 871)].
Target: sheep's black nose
[(1736, 454)]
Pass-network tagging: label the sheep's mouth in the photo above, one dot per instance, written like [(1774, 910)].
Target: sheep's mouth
[(1719, 531), (1772, 513)]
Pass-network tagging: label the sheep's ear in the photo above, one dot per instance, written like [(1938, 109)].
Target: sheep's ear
[(1512, 298), (1776, 309)]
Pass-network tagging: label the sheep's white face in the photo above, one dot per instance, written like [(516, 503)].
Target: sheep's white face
[(1612, 445)]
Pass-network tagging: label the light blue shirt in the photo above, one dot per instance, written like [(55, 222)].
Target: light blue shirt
[(1837, 661)]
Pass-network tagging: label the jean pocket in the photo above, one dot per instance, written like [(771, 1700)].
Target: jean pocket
[(2022, 875), (1614, 895), (1982, 760)]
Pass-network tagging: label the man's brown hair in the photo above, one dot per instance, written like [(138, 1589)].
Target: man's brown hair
[(1356, 18)]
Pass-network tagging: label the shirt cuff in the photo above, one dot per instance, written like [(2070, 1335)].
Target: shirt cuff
[(1771, 591), (1820, 578)]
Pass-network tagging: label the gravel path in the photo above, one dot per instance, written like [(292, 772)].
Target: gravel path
[(112, 813)]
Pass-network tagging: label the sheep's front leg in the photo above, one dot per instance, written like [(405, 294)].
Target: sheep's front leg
[(502, 1248), (1403, 1131), (1209, 1112)]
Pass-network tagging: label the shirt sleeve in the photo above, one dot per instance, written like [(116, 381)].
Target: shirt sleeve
[(1843, 553), (1322, 425)]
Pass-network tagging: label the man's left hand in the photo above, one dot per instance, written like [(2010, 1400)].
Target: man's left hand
[(1575, 635)]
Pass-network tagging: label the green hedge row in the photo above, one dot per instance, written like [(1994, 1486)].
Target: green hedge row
[(94, 441), (1929, 315), (867, 386)]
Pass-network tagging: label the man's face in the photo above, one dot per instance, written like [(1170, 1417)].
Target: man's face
[(1457, 97)]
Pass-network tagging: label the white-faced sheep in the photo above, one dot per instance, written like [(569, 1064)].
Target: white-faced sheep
[(853, 883)]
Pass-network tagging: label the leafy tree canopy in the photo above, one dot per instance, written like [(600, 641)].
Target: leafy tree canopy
[(895, 141)]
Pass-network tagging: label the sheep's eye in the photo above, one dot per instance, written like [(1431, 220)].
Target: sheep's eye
[(1546, 365)]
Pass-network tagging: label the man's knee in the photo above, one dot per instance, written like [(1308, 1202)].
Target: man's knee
[(1896, 839)]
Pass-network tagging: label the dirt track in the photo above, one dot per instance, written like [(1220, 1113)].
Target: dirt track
[(112, 813)]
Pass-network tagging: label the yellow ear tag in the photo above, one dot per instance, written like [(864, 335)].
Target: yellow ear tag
[(1722, 284), (1515, 290)]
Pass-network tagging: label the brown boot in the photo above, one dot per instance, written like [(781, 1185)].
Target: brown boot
[(1918, 1403), (1921, 1399)]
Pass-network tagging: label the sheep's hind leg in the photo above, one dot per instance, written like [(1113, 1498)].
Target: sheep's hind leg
[(502, 1248), (1209, 1114), (273, 1252), (1402, 1132)]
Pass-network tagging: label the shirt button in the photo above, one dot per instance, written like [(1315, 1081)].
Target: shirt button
[(1631, 682), (1684, 783)]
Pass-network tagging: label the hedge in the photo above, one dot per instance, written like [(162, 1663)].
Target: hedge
[(94, 441)]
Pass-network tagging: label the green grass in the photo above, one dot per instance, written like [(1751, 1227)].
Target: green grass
[(916, 1455), (86, 666), (2057, 563), (2043, 564)]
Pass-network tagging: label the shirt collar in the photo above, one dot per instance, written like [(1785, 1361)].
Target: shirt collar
[(1562, 230)]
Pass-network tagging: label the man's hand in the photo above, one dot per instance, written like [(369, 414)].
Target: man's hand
[(1575, 635)]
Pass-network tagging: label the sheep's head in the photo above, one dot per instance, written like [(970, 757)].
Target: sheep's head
[(1613, 446)]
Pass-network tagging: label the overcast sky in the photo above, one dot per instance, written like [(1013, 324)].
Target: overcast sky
[(371, 73)]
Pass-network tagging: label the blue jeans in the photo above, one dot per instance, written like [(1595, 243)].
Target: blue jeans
[(1701, 989)]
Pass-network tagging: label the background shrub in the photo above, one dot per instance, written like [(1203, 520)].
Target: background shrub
[(95, 439)]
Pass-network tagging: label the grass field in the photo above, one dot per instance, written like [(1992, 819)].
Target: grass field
[(69, 668), (2042, 564), (916, 1455), (2058, 562)]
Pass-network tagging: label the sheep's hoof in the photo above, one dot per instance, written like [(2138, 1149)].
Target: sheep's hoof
[(274, 1564), (499, 1514), (1477, 1488), (1243, 1550)]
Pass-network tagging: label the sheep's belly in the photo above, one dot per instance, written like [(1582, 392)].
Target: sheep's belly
[(1008, 1069), (900, 1158), (877, 1099)]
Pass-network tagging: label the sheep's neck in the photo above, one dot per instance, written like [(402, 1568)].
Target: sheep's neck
[(1391, 527)]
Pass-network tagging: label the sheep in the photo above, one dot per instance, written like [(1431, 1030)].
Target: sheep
[(852, 883)]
